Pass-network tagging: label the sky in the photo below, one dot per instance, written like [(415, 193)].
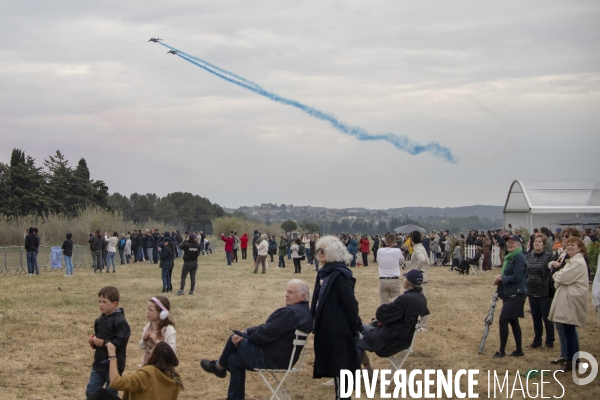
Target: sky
[(511, 88)]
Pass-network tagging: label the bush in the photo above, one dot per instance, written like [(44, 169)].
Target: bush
[(592, 256), (52, 229)]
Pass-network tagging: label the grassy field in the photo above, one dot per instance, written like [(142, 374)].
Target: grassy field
[(45, 321)]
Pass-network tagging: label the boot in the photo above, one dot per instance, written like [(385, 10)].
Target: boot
[(568, 366)]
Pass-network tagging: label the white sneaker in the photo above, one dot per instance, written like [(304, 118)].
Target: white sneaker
[(328, 383)]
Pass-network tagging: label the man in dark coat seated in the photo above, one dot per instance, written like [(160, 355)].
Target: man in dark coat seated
[(464, 264), (396, 321), (267, 346)]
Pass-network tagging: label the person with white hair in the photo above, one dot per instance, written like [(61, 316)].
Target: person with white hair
[(267, 346), (335, 312), (263, 251)]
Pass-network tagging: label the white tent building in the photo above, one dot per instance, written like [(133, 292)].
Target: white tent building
[(543, 203)]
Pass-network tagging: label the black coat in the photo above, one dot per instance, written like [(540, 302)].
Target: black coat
[(397, 321), (337, 323), (67, 248), (115, 329)]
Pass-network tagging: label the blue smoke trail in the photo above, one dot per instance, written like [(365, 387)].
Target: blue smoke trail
[(401, 142)]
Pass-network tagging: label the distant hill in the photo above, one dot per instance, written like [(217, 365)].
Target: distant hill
[(492, 212)]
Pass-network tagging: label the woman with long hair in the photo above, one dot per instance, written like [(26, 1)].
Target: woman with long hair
[(157, 380)]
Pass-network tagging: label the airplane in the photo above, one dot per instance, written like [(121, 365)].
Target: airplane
[(155, 40), (172, 52)]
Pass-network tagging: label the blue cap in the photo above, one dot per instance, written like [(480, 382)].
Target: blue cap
[(512, 237), (414, 276)]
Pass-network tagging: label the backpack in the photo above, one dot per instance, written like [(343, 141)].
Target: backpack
[(301, 250)]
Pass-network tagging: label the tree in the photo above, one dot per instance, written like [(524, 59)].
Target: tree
[(61, 186), (289, 225), (311, 227), (25, 187)]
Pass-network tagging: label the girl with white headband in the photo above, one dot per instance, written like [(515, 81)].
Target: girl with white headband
[(160, 326)]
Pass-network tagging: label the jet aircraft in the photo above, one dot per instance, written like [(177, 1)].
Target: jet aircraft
[(155, 40), (172, 52)]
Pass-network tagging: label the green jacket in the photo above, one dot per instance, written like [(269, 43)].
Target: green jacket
[(282, 248)]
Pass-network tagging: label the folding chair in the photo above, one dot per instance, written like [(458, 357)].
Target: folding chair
[(474, 268), (397, 360), (440, 260), (280, 387)]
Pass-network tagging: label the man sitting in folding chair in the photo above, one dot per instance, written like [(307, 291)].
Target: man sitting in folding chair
[(472, 263), (396, 321), (267, 346)]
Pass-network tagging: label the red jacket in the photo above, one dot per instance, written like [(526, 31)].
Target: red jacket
[(244, 241), (364, 246), (228, 243)]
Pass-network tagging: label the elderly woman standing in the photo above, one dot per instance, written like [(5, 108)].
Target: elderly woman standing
[(512, 289), (335, 312), (538, 291), (263, 250), (569, 307)]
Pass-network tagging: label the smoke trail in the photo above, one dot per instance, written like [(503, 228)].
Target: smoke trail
[(401, 142)]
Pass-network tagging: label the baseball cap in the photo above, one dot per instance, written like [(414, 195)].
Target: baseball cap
[(512, 237), (414, 276)]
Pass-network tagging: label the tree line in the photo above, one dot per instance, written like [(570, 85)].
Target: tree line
[(57, 188)]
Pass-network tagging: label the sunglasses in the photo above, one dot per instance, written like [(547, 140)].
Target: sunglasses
[(320, 251)]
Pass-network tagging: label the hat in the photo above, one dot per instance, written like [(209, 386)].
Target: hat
[(559, 229), (192, 236), (415, 277), (512, 237)]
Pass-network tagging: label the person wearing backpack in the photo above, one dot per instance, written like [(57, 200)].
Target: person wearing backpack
[(298, 252), (121, 247)]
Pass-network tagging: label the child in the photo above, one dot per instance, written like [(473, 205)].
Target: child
[(159, 328), (67, 249), (111, 327)]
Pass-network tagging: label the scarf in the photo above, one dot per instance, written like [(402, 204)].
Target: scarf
[(509, 257)]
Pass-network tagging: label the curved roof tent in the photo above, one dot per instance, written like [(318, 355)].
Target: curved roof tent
[(553, 197)]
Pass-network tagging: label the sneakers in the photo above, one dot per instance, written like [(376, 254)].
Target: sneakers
[(191, 292), (180, 293), (210, 366), (517, 354), (499, 354)]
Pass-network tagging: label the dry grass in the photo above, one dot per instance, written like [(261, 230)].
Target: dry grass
[(45, 320)]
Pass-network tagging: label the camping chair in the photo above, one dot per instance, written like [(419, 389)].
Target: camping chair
[(281, 387), (440, 260), (397, 360)]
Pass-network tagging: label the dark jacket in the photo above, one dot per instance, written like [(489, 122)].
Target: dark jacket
[(375, 244), (397, 321), (273, 246), (191, 251), (352, 246), (283, 246), (336, 321), (149, 241), (32, 242), (115, 329), (538, 273), (67, 248), (166, 255), (514, 280), (276, 336), (97, 243)]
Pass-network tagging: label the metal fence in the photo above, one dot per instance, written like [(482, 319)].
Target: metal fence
[(14, 259)]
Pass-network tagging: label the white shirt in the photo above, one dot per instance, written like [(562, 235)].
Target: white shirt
[(389, 260), (263, 248)]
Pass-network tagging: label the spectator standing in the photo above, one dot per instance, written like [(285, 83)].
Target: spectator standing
[(121, 248), (296, 257), (127, 250), (262, 250), (111, 248), (236, 246), (97, 243), (352, 247), (32, 242), (289, 244), (191, 252), (149, 243), (255, 241), (67, 248), (365, 246), (244, 245), (166, 251), (419, 259), (390, 261), (376, 240), (272, 247), (282, 251), (335, 312), (228, 246)]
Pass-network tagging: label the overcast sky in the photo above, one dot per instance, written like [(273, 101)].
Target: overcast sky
[(510, 87)]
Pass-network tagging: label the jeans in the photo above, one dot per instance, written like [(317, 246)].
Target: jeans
[(140, 254), (110, 258), (150, 252), (127, 258), (155, 255), (228, 256), (97, 380), (563, 339), (281, 262), (97, 260), (31, 262), (234, 256), (239, 359), (297, 266), (121, 253), (166, 278), (68, 265), (316, 264), (365, 259), (361, 344), (309, 259), (289, 254), (353, 263), (540, 307), (571, 339), (189, 267)]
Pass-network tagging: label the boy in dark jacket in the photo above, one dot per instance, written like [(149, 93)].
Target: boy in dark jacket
[(111, 327)]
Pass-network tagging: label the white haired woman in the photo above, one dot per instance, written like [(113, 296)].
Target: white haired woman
[(335, 312), (263, 252)]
